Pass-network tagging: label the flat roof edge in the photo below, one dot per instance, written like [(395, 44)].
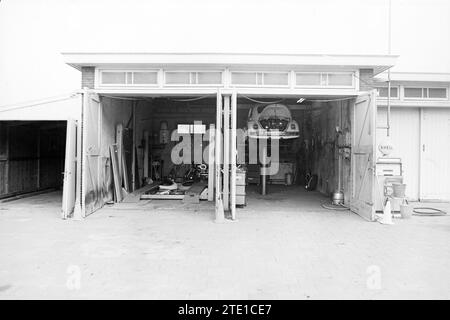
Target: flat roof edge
[(224, 53), (380, 63)]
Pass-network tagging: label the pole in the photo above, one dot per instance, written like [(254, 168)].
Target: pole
[(133, 165), (226, 153), (263, 171), (218, 145), (233, 154), (388, 116)]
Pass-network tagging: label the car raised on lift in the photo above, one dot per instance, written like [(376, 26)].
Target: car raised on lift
[(272, 122)]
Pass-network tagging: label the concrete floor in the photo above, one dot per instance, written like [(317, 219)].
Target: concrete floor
[(283, 246)]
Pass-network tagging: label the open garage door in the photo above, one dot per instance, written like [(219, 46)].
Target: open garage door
[(225, 155), (92, 197), (363, 155), (69, 184), (218, 159)]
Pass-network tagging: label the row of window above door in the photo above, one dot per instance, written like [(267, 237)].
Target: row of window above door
[(220, 78)]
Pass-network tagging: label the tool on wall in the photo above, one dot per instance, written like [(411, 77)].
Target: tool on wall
[(311, 181), (164, 134)]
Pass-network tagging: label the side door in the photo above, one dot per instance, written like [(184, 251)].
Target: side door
[(69, 183), (92, 186), (435, 154), (364, 155)]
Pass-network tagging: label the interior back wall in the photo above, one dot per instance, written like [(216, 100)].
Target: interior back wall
[(152, 113), (31, 156)]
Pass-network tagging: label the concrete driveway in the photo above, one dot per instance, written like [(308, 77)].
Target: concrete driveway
[(283, 246)]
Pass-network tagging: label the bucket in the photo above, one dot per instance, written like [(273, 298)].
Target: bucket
[(337, 198), (406, 211), (398, 190)]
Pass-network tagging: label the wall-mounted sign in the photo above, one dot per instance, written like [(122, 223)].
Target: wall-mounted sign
[(385, 148)]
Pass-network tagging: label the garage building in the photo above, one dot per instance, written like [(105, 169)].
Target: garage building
[(119, 133)]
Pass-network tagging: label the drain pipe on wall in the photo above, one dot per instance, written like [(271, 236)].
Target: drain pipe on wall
[(388, 116), (339, 153), (388, 113)]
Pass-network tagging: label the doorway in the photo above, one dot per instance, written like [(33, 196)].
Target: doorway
[(32, 158), (435, 154)]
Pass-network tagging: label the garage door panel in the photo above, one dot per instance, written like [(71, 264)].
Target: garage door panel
[(362, 189), (69, 182), (363, 156), (405, 139), (435, 154), (92, 181)]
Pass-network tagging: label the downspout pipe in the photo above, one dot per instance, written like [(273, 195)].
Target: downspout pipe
[(388, 116)]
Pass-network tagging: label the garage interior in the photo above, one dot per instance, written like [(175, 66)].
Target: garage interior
[(32, 157), (319, 157)]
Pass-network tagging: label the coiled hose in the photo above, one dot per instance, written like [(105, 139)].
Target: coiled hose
[(427, 211), (336, 207), (418, 211)]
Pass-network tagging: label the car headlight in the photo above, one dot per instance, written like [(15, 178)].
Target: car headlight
[(255, 126)]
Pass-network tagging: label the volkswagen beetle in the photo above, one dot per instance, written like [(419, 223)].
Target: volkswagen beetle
[(273, 121)]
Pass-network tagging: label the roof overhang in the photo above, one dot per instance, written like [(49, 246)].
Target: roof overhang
[(378, 63), (415, 77)]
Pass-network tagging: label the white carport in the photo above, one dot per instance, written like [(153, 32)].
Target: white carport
[(26, 155)]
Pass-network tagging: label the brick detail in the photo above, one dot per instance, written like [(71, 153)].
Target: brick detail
[(365, 79), (88, 77)]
